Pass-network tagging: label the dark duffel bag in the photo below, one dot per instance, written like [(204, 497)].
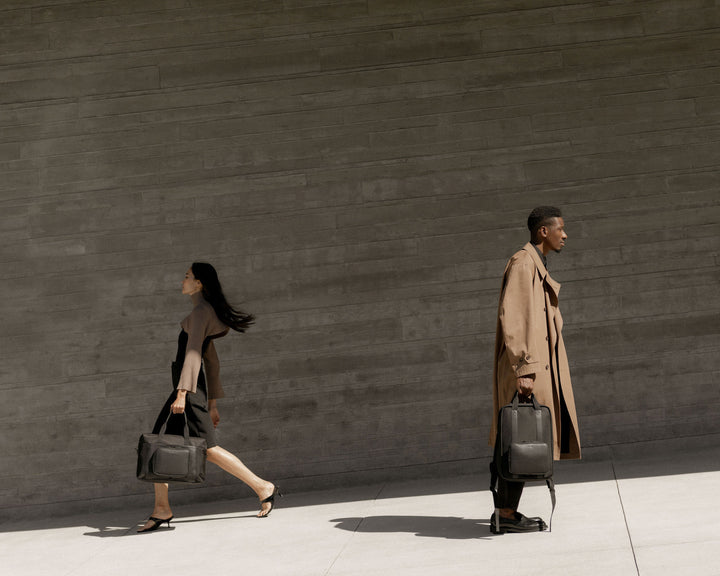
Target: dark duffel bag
[(171, 458)]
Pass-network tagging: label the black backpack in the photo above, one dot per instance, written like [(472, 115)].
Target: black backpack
[(524, 446)]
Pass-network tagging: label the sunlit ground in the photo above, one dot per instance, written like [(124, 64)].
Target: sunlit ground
[(621, 512)]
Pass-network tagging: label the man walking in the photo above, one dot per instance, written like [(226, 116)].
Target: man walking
[(530, 354)]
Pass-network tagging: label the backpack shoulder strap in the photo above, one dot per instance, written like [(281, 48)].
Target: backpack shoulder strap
[(551, 487)]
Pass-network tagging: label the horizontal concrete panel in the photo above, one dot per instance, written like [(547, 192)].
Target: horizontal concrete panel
[(239, 68), (62, 12), (609, 165), (336, 255), (348, 362), (425, 44), (597, 116), (579, 32), (641, 55), (121, 80), (670, 18)]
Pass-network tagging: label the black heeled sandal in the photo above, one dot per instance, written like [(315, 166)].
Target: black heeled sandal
[(271, 500), (156, 523)]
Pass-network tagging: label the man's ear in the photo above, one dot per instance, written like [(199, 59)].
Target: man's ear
[(543, 231)]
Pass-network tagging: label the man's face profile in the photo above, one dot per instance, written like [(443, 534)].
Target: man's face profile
[(554, 234)]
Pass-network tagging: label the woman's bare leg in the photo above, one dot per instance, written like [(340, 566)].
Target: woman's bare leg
[(232, 464), (162, 509)]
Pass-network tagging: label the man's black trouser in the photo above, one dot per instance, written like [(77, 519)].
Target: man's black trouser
[(508, 494)]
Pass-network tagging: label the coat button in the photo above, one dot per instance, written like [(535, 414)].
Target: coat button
[(547, 367)]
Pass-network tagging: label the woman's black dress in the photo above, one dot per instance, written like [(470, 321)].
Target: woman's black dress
[(196, 404)]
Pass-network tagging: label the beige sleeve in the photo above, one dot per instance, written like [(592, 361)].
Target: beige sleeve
[(212, 373), (517, 317)]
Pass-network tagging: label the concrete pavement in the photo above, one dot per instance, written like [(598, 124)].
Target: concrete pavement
[(646, 509)]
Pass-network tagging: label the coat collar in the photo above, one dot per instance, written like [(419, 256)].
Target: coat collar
[(554, 286)]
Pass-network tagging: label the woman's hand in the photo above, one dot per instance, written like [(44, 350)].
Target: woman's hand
[(214, 414), (178, 407)]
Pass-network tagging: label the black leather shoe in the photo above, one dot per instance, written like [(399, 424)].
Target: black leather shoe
[(520, 523)]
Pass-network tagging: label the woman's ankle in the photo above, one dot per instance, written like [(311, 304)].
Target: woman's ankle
[(267, 490)]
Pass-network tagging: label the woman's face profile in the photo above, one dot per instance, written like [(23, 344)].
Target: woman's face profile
[(190, 285)]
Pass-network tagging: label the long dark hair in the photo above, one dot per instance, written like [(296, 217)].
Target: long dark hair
[(212, 292)]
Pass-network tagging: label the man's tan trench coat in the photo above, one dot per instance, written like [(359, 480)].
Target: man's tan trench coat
[(529, 341)]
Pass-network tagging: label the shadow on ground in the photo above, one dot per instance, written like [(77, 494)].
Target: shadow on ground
[(426, 526), (607, 463)]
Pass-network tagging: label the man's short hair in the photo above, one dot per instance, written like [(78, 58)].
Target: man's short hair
[(541, 216)]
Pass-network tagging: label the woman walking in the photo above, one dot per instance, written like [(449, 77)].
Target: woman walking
[(196, 391)]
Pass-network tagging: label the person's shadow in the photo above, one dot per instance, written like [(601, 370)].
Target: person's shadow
[(426, 526), (107, 532)]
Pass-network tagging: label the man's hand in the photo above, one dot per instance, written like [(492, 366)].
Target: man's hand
[(525, 385)]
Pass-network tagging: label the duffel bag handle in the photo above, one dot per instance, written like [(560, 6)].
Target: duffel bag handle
[(186, 429)]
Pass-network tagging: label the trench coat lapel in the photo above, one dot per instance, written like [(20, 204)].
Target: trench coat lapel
[(552, 284)]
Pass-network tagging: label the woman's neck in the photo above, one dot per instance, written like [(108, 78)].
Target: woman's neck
[(196, 297)]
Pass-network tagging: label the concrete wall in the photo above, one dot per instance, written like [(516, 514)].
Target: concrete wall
[(358, 172)]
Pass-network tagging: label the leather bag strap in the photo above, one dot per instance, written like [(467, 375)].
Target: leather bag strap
[(186, 429), (551, 487), (538, 424), (493, 489)]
